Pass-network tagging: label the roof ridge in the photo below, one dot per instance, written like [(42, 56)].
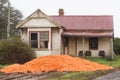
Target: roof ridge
[(81, 16)]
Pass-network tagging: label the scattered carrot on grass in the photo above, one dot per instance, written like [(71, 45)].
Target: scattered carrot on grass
[(55, 63)]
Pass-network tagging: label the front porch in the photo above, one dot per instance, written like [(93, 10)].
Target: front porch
[(87, 46)]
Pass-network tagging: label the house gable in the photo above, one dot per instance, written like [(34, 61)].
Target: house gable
[(38, 19), (38, 22)]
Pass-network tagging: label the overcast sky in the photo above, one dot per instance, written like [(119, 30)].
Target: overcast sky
[(72, 7)]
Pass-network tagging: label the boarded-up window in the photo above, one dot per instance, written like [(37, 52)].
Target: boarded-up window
[(93, 43)]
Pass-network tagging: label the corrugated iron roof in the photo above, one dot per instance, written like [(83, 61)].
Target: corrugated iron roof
[(88, 34), (85, 22)]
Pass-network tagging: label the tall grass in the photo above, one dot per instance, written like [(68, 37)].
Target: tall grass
[(114, 63)]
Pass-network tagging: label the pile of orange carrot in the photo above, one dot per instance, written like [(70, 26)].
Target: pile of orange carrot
[(55, 63)]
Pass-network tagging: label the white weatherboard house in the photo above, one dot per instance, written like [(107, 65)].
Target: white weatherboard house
[(73, 35)]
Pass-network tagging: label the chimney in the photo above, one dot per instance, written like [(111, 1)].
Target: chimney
[(61, 12)]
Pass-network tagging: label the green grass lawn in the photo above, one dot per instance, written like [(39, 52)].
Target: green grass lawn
[(114, 63), (2, 66), (79, 75)]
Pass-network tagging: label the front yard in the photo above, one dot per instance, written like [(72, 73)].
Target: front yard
[(73, 75)]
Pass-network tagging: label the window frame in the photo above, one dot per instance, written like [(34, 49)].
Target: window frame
[(38, 39), (93, 43)]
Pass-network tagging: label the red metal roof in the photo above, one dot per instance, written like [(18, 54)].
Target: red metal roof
[(85, 22)]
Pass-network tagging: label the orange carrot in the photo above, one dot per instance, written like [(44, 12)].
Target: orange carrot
[(55, 63)]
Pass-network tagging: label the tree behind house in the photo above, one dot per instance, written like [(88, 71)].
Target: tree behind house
[(15, 17), (117, 45)]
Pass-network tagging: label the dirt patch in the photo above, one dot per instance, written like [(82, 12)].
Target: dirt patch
[(48, 76), (30, 76)]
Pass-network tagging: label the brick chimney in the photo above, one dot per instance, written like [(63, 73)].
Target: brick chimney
[(61, 12)]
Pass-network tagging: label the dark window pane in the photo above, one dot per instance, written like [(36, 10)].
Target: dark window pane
[(34, 41), (46, 44), (65, 41), (93, 43), (33, 36)]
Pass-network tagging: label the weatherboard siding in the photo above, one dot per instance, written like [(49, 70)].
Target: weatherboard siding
[(56, 41), (42, 22), (24, 35)]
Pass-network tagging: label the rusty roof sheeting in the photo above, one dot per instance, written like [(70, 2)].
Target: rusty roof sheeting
[(85, 22), (88, 34)]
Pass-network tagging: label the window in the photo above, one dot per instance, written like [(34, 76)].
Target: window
[(34, 40), (93, 43), (39, 39), (43, 39)]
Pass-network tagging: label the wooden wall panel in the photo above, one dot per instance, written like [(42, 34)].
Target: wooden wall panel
[(72, 46)]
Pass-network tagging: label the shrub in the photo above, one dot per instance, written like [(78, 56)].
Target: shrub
[(13, 50), (117, 45)]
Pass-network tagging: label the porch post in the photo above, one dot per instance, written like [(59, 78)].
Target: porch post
[(111, 48), (50, 39), (28, 36), (61, 42), (38, 35), (83, 39)]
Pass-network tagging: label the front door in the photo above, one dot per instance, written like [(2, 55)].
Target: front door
[(72, 46)]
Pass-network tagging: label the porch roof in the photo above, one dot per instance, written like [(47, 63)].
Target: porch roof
[(88, 34)]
